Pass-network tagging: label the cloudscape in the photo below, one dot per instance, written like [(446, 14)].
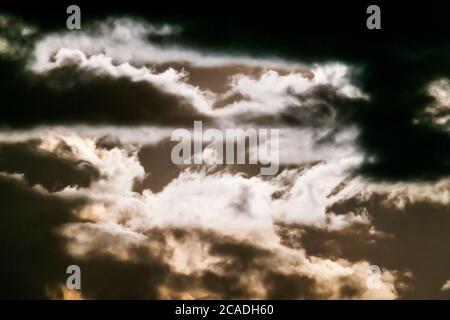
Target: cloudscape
[(87, 179)]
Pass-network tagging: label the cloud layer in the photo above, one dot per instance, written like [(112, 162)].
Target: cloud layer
[(87, 179)]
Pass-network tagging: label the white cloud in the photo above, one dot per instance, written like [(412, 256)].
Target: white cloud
[(446, 286), (119, 49)]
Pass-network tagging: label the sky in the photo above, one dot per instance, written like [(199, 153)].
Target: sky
[(86, 176)]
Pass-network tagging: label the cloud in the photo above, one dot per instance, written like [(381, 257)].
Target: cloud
[(446, 286), (396, 145), (29, 159), (121, 221), (160, 84), (193, 248), (15, 37), (76, 100), (32, 253), (411, 239), (87, 177)]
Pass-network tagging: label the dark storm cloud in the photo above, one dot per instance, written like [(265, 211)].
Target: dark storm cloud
[(144, 273), (53, 170), (396, 81), (106, 277), (242, 259), (290, 286), (140, 276), (69, 95), (32, 254), (414, 238)]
